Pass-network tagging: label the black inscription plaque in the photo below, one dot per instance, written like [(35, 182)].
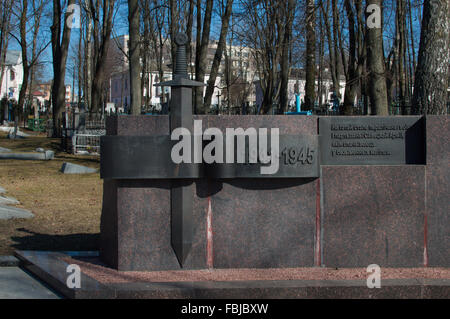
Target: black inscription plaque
[(354, 140), (143, 157)]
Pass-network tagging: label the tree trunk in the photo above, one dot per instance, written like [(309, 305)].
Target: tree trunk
[(331, 48), (134, 54), (320, 72), (351, 75), (285, 54), (5, 27), (60, 49), (80, 64), (336, 37), (200, 68), (432, 72), (173, 29), (310, 55), (100, 55), (218, 55), (145, 54), (25, 65), (88, 59), (190, 22), (375, 66), (401, 53)]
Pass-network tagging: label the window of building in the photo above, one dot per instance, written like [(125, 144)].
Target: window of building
[(12, 75)]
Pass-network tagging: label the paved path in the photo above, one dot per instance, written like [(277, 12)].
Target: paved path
[(15, 283)]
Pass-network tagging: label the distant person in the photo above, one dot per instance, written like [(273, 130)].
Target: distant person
[(336, 102)]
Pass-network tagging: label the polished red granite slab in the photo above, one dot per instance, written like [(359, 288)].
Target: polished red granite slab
[(373, 215), (438, 190), (264, 223)]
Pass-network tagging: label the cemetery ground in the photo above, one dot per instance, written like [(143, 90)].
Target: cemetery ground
[(67, 207)]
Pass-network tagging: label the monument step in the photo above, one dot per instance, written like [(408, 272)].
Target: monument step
[(99, 281)]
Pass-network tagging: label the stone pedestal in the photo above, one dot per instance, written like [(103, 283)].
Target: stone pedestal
[(393, 215)]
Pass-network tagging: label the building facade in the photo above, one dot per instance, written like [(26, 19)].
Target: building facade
[(12, 76), (233, 81)]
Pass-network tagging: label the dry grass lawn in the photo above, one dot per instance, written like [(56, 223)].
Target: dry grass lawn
[(67, 208)]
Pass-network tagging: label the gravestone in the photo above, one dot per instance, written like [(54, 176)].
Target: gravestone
[(8, 212), (6, 200), (35, 156), (70, 168)]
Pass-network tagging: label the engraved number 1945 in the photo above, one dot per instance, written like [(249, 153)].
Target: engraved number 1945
[(292, 155)]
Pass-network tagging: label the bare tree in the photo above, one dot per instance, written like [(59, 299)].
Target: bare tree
[(432, 73), (5, 28), (145, 51), (88, 55), (310, 54), (189, 25), (60, 46), (158, 30), (400, 52), (336, 40), (218, 54), (287, 12), (263, 27), (80, 63), (375, 65), (201, 51), (356, 54), (102, 36), (37, 12), (173, 29), (134, 53)]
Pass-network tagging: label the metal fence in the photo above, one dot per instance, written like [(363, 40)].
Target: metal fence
[(37, 125), (84, 132), (86, 144)]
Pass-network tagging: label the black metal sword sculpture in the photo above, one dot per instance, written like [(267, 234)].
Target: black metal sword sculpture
[(182, 190)]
